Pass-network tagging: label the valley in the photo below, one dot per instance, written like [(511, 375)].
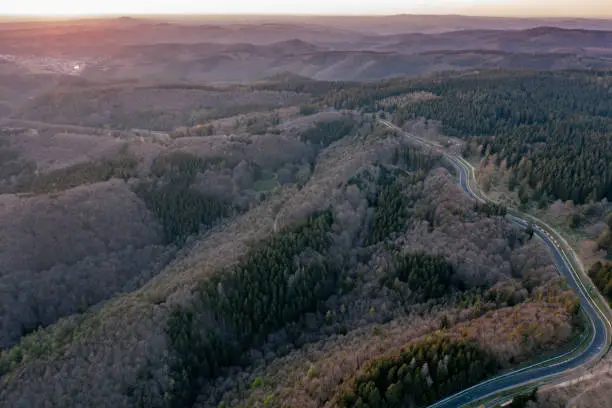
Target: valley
[(347, 212)]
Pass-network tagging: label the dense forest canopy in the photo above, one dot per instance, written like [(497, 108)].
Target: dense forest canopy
[(551, 129), (389, 242), (121, 165), (325, 133), (427, 276), (180, 209), (260, 294), (601, 273), (422, 374), (301, 257)]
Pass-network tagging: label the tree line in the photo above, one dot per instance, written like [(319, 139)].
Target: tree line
[(604, 240), (122, 165), (390, 213), (601, 274), (300, 84), (325, 133), (427, 276), (422, 374), (552, 130), (391, 204), (369, 96), (181, 168), (490, 209), (239, 307), (180, 209)]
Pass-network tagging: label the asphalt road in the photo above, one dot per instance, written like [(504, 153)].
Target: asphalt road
[(544, 369)]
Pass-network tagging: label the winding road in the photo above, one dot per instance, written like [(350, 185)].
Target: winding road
[(543, 371)]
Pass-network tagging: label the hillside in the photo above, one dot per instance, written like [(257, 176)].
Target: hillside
[(220, 212), (197, 51), (527, 133), (93, 215), (377, 57), (375, 206), (147, 106), (62, 255)]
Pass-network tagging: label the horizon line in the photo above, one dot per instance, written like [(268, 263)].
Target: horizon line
[(233, 15)]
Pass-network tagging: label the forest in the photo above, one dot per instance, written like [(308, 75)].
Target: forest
[(293, 273), (325, 133), (286, 253), (262, 293), (410, 165), (423, 373), (604, 240), (550, 129), (121, 165), (180, 209), (427, 276), (390, 213), (601, 273), (490, 209), (553, 131), (382, 252), (275, 284)]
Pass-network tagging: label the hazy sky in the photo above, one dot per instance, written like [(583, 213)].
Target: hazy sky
[(574, 8)]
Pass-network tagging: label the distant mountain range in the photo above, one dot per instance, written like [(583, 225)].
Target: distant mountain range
[(354, 48), (377, 25)]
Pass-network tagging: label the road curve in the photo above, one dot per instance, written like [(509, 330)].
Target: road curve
[(543, 370)]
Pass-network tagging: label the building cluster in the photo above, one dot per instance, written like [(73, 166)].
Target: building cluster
[(48, 64)]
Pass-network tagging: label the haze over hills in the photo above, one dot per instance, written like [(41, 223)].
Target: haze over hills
[(258, 211), (332, 48), (378, 25)]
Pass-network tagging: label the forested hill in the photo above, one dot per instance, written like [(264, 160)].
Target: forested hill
[(553, 130)]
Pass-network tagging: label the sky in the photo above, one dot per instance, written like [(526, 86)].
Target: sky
[(529, 8)]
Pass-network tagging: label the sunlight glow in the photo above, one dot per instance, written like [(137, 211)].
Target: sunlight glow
[(552, 8)]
